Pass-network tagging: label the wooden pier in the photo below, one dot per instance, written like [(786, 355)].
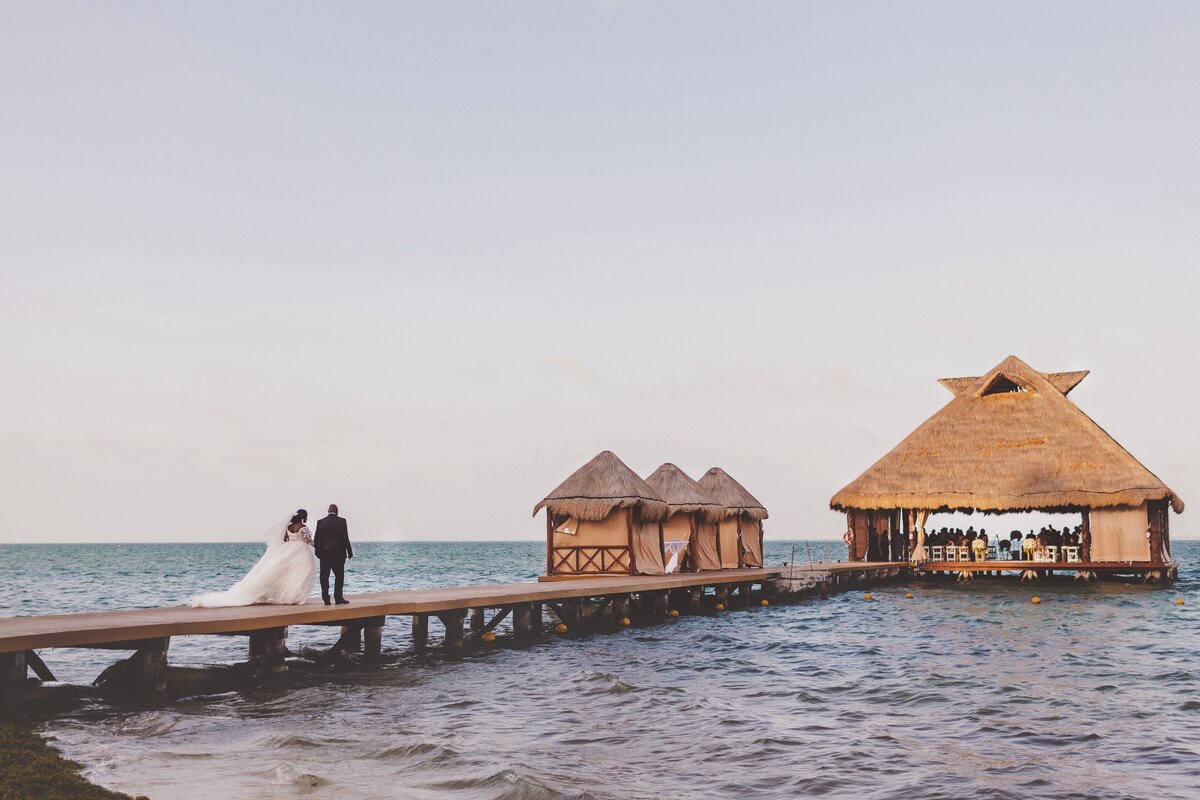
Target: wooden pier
[(578, 603)]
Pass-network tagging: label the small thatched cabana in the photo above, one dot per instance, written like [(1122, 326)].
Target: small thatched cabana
[(740, 531), (690, 529), (603, 520), (1012, 441)]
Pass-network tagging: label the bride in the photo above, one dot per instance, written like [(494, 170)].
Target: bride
[(284, 575)]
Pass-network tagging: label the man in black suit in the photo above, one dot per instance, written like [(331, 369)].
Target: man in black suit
[(332, 544)]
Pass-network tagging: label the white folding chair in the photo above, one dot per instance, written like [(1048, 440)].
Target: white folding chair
[(1051, 552), (937, 553), (1071, 554)]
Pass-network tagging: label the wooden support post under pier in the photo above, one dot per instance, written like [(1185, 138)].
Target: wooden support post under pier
[(620, 607), (535, 616), (523, 629), (659, 605), (13, 673), (268, 649), (351, 639), (477, 621), (142, 677), (420, 631), (453, 622), (373, 638)]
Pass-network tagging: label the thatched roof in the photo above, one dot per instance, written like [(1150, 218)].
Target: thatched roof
[(684, 495), (731, 494), (599, 486), (1010, 440), (1063, 381)]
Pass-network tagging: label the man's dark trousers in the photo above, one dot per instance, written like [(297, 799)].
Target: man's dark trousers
[(336, 564)]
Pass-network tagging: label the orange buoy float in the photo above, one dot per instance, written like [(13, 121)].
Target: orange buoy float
[(1178, 601), (674, 613), (489, 637), (764, 603), (1036, 600), (868, 596), (624, 622), (719, 607), (908, 595), (560, 628)]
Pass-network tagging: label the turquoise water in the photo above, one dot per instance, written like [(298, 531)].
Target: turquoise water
[(960, 691)]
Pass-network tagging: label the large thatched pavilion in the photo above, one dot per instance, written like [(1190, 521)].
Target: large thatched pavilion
[(603, 520), (690, 529), (740, 532), (1011, 441)]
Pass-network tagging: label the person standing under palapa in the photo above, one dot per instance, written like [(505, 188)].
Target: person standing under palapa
[(332, 543)]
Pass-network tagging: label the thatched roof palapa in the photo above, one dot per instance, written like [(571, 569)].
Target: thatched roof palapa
[(1010, 440), (731, 494), (599, 486), (683, 495)]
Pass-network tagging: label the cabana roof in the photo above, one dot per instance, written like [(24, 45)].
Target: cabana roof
[(731, 494), (599, 486), (684, 495), (1010, 440)]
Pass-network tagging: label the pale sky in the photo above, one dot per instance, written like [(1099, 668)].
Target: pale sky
[(424, 260)]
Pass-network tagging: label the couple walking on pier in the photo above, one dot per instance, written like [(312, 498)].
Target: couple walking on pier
[(285, 573)]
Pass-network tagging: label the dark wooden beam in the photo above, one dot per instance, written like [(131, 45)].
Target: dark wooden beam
[(39, 667), (268, 649), (420, 631)]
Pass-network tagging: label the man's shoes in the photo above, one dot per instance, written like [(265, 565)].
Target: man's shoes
[(326, 599), (341, 601)]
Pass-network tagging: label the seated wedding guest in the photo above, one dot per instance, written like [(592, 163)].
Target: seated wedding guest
[(885, 546), (1003, 549), (1029, 546), (969, 541), (1015, 536), (1040, 553), (979, 547)]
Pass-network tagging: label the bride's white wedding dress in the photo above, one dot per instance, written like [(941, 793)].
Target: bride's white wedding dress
[(284, 575)]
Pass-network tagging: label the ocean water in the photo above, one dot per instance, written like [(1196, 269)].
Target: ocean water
[(962, 691)]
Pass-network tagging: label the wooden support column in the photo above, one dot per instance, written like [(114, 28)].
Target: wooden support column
[(373, 638), (659, 605), (695, 597), (747, 588), (453, 621), (420, 631), (629, 512), (1085, 537), (620, 607), (1156, 513), (142, 677), (352, 638), (477, 621), (549, 543), (535, 616), (570, 611), (523, 629), (852, 529), (268, 648), (13, 673)]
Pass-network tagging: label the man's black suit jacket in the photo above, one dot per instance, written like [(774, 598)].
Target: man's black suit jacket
[(333, 539)]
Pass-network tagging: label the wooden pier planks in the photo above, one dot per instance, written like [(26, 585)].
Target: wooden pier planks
[(18, 634)]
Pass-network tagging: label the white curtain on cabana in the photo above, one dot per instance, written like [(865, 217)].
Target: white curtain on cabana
[(1119, 534), (918, 554)]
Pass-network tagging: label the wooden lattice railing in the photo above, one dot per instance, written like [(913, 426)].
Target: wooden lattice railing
[(594, 560)]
